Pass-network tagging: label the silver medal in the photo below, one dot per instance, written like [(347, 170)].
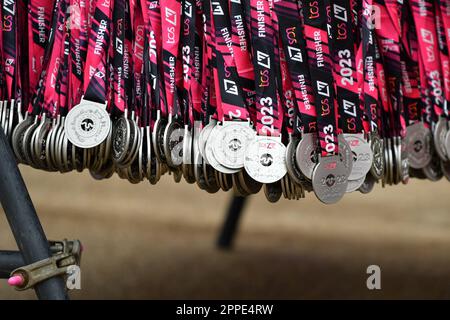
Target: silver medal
[(273, 191), (17, 138), (368, 184), (204, 135), (87, 124), (249, 184), (265, 159), (211, 159), (329, 179), (439, 137), (291, 163), (376, 145), (187, 168), (158, 137), (306, 154), (120, 139), (173, 142), (354, 185), (433, 171), (404, 173), (418, 144), (447, 142), (362, 156), (230, 142), (345, 154), (212, 185)]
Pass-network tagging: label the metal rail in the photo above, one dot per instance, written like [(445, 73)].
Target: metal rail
[(24, 223)]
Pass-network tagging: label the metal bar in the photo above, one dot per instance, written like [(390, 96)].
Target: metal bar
[(231, 223), (9, 261), (24, 222)]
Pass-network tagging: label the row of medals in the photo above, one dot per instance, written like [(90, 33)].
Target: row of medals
[(227, 155)]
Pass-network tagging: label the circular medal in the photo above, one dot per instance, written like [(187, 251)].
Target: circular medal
[(417, 173), (230, 142), (212, 186), (404, 173), (40, 143), (135, 141), (273, 191), (187, 168), (439, 137), (445, 167), (447, 142), (49, 148), (158, 137), (362, 156), (148, 152), (26, 142), (120, 139), (265, 159), (329, 179), (249, 184), (306, 154), (222, 181), (17, 138), (390, 162), (377, 168), (418, 140), (87, 124), (291, 164), (203, 136), (354, 185), (433, 171), (345, 154), (173, 143), (198, 171), (211, 159), (238, 189), (396, 177), (368, 184)]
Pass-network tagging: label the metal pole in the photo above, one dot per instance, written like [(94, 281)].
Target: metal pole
[(230, 225), (24, 222), (9, 261)]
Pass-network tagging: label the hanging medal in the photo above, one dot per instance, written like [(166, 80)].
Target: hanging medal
[(265, 159), (88, 124)]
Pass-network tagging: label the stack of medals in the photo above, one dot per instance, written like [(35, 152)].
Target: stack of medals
[(287, 96)]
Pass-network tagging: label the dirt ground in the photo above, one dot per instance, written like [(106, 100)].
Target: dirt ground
[(158, 242)]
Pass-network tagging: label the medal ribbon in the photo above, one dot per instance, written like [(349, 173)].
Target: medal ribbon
[(294, 46), (269, 117), (389, 38), (233, 105), (370, 87), (320, 67), (39, 20), (423, 14), (9, 32), (344, 68), (95, 70), (171, 28)]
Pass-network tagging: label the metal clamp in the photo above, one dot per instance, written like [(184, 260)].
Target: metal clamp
[(65, 254)]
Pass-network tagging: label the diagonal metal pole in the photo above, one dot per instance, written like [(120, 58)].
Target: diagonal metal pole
[(24, 222), (9, 261), (231, 223)]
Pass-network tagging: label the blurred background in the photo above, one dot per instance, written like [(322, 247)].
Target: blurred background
[(158, 242)]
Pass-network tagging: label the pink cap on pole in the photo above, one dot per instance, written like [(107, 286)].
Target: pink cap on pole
[(16, 281)]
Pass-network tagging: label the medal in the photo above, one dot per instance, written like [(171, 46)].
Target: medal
[(265, 155), (329, 179), (265, 159), (87, 125)]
